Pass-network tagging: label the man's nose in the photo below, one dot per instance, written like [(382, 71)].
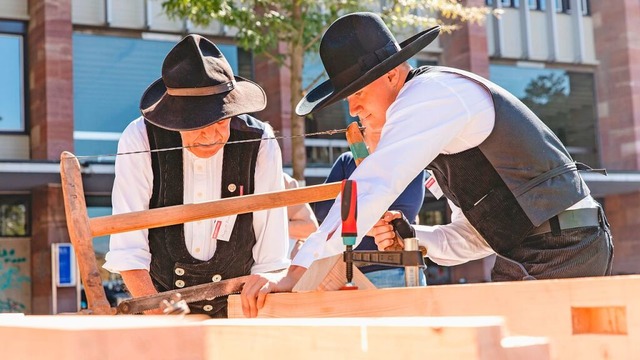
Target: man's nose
[(354, 108)]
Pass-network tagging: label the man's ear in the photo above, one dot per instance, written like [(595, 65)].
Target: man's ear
[(393, 76)]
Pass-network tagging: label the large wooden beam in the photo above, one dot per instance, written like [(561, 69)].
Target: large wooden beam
[(170, 337), (179, 214), (586, 318)]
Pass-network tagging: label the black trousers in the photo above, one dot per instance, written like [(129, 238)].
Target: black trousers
[(577, 252)]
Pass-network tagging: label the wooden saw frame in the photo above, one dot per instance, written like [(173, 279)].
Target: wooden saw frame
[(83, 229)]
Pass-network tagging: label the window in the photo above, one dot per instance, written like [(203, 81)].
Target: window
[(563, 100), (12, 73), (14, 216), (562, 6), (109, 76)]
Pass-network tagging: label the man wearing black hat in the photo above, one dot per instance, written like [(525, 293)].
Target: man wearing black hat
[(513, 187), (193, 144)]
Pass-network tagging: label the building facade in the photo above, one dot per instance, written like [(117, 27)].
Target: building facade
[(72, 73)]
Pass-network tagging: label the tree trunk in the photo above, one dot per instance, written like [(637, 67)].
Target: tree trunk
[(298, 150)]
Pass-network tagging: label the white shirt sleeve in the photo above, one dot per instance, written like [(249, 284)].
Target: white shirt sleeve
[(270, 226), (433, 113), (132, 189), (454, 243)]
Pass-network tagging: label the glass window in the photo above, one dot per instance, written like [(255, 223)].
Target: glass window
[(12, 104), (565, 6), (563, 100), (562, 6), (109, 76), (504, 3), (14, 216), (537, 4)]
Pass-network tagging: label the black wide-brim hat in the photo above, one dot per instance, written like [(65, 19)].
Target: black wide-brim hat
[(198, 88), (355, 50)]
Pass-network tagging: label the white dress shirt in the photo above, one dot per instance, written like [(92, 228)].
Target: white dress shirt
[(434, 113), (133, 188)]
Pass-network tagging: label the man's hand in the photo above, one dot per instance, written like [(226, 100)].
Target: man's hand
[(138, 283), (255, 290), (383, 232)]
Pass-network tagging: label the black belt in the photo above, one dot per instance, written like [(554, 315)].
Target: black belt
[(569, 219)]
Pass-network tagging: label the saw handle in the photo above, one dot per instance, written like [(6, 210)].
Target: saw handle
[(356, 143)]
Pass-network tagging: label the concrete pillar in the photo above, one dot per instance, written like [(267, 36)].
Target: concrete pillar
[(617, 40), (49, 42)]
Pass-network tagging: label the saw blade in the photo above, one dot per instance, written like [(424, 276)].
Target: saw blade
[(189, 294)]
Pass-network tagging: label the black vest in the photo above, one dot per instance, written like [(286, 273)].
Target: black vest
[(172, 266), (519, 177)]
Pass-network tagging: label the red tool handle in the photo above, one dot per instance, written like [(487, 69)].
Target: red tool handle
[(349, 210)]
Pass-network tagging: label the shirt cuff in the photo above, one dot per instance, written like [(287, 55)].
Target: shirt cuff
[(264, 268), (127, 259)]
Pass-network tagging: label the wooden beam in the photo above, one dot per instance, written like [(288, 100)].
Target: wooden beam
[(373, 338), (584, 318), (179, 214), (172, 337), (75, 209)]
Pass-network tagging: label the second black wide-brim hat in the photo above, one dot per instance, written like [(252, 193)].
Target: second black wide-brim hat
[(198, 88), (355, 50)]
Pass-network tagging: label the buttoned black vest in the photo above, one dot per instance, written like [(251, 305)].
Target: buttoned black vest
[(516, 179), (171, 262)]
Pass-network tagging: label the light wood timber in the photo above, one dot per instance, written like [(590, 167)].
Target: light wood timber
[(80, 233), (328, 274), (584, 318), (73, 337), (171, 337), (178, 214), (374, 338)]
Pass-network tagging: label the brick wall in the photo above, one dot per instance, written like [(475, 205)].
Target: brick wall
[(275, 79), (617, 38), (49, 44), (466, 48)]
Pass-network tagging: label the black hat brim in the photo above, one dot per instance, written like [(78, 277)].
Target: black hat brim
[(325, 94), (183, 113)]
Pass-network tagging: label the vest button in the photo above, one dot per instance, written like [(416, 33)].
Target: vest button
[(216, 278), (179, 283), (231, 187), (179, 271), (207, 308)]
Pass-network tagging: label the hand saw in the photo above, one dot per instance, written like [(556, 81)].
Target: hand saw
[(189, 294)]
